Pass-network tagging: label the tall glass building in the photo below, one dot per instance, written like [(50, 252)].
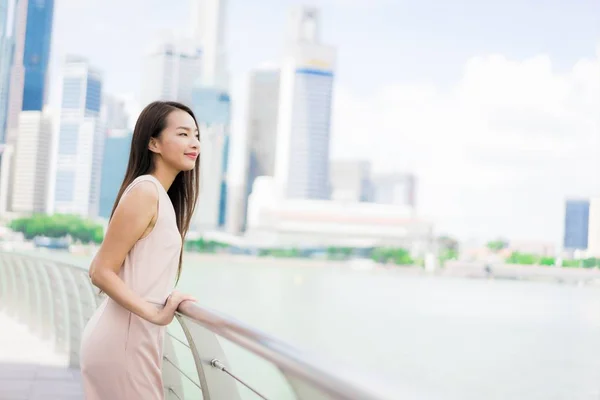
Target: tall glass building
[(577, 214), (6, 56), (37, 53), (80, 141), (114, 166), (212, 107), (303, 134)]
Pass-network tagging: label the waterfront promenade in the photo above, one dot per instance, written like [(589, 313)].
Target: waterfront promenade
[(30, 369)]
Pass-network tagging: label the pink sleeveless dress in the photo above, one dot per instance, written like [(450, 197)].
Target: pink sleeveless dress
[(121, 353)]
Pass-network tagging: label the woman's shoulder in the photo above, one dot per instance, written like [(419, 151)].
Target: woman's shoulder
[(144, 187)]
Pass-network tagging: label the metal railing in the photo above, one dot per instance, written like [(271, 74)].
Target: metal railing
[(56, 300)]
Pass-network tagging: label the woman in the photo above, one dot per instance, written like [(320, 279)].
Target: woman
[(140, 258)]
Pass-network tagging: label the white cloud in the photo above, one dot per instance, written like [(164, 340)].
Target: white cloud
[(495, 154)]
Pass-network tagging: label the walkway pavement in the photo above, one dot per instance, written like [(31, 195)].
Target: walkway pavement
[(30, 369)]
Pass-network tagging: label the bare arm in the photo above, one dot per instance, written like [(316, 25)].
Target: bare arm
[(131, 219)]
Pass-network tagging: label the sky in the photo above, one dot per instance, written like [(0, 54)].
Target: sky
[(494, 105)]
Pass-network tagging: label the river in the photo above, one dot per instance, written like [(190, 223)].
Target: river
[(428, 337)]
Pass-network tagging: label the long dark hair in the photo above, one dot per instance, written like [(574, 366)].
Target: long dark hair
[(184, 190)]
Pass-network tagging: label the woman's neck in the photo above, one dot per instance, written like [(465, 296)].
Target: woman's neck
[(165, 176)]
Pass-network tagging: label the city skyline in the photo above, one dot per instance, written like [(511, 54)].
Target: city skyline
[(499, 122)]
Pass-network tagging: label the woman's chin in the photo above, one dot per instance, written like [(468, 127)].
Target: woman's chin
[(188, 166)]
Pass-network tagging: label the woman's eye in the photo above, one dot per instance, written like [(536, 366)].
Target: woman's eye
[(182, 133)]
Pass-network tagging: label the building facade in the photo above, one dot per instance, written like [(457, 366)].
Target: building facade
[(170, 71), (6, 55), (261, 145), (17, 73), (394, 188), (212, 108), (275, 221), (351, 181), (32, 163), (113, 113), (36, 56), (306, 88), (593, 245), (577, 216), (208, 30), (117, 146), (80, 141)]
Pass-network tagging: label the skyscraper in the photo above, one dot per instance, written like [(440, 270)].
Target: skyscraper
[(80, 141), (263, 104), (17, 73), (208, 30), (32, 163), (37, 53), (114, 165), (577, 214), (6, 54), (15, 101), (113, 112), (261, 128), (394, 188), (211, 103), (212, 108), (3, 17), (351, 180), (302, 161), (170, 70)]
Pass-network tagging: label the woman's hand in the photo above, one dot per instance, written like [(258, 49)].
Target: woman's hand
[(166, 315)]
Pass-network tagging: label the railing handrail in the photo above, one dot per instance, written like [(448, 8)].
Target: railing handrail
[(310, 377), (322, 374)]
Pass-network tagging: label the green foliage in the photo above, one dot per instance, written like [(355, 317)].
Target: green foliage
[(531, 259), (280, 253), (204, 246), (58, 226), (448, 243), (522, 258), (339, 253), (497, 245), (548, 261), (395, 255), (590, 263), (571, 263), (447, 255)]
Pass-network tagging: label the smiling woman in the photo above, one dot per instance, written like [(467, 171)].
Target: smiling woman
[(140, 259)]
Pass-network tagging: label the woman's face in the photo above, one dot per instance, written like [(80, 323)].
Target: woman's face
[(179, 143)]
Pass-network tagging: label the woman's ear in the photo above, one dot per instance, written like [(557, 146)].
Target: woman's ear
[(153, 146)]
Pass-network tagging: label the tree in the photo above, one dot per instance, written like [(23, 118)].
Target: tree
[(447, 243), (58, 226), (522, 258), (398, 256), (497, 245), (448, 249)]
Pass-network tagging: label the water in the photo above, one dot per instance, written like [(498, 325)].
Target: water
[(431, 338)]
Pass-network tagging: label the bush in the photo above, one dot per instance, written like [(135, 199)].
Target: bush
[(396, 255), (204, 246), (58, 226)]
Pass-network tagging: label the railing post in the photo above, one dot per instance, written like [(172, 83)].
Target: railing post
[(32, 315), (172, 383), (205, 347), (46, 295), (59, 306)]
